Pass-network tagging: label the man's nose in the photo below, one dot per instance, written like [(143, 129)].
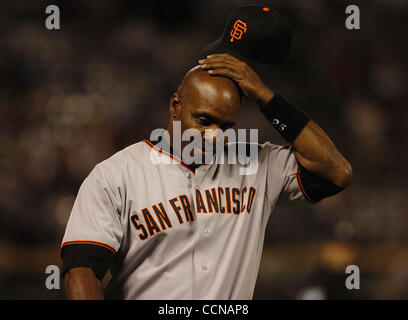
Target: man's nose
[(210, 134), (213, 135)]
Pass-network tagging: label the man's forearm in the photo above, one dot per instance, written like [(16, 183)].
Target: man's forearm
[(313, 148), (82, 284), (317, 153)]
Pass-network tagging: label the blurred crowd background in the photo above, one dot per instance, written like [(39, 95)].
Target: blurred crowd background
[(72, 97)]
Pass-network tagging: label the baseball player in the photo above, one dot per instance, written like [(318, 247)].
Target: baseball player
[(188, 230)]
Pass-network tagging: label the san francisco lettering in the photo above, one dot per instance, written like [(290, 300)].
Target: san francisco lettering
[(218, 200)]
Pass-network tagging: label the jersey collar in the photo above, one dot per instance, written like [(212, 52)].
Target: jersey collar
[(167, 150)]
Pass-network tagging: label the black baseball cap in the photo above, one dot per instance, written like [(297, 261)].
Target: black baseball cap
[(254, 33)]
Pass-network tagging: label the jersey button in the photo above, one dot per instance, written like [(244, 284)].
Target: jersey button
[(188, 174), (206, 230), (204, 267)]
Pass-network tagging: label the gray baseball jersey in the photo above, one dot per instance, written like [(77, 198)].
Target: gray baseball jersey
[(180, 233)]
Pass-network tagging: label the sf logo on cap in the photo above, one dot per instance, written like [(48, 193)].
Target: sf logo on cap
[(238, 30)]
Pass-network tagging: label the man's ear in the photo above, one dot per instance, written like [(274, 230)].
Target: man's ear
[(175, 106)]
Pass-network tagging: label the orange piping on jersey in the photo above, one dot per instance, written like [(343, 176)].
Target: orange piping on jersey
[(301, 186), (168, 154), (95, 243)]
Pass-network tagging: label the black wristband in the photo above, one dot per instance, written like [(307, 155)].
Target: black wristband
[(314, 187), (86, 255), (288, 119)]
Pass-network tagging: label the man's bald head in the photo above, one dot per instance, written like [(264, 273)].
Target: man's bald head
[(203, 101), (198, 82)]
